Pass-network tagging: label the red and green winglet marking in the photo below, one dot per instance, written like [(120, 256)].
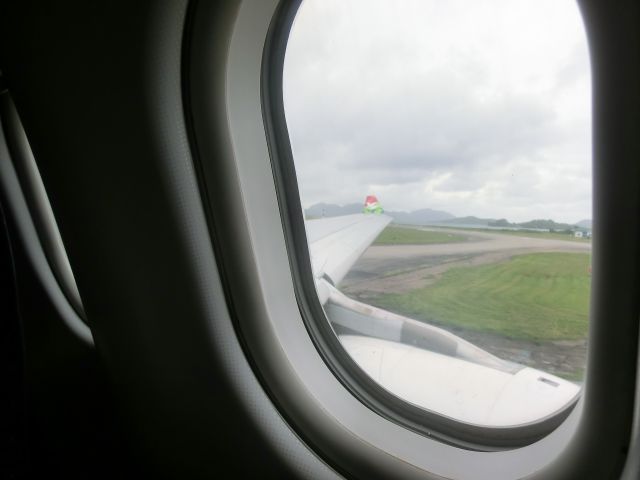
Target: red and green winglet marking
[(372, 205)]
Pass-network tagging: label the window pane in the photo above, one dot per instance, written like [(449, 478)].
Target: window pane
[(461, 283)]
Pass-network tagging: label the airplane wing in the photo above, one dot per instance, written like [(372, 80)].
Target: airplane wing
[(423, 364), (336, 243)]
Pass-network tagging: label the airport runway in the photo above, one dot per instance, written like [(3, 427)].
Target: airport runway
[(479, 242)]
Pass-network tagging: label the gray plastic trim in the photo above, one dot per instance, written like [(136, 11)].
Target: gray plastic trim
[(17, 204), (346, 433), (38, 202)]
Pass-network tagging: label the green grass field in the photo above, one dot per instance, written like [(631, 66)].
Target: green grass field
[(412, 236), (526, 233), (541, 296)]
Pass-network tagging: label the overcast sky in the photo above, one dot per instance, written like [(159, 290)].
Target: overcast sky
[(473, 107)]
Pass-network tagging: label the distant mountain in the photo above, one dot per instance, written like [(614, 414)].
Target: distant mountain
[(538, 224), (586, 223), (420, 217), (545, 225), (470, 220), (428, 216), (417, 217)]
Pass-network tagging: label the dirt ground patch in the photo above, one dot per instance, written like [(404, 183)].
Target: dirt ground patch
[(420, 272), (566, 359)]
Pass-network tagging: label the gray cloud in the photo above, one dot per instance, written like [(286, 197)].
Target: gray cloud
[(448, 127)]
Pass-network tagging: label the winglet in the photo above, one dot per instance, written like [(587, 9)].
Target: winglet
[(372, 205)]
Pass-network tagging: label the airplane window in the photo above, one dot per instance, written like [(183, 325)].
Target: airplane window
[(443, 154)]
